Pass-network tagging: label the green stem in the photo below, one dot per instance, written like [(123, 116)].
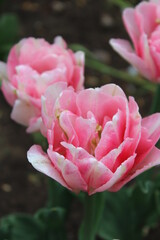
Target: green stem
[(93, 63), (58, 196), (51, 193), (93, 208), (156, 101), (121, 3), (100, 67)]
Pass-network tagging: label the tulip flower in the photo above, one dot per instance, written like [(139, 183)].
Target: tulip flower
[(143, 26), (32, 66), (97, 139)]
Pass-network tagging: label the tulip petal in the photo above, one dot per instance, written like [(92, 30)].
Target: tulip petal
[(3, 71), (42, 163), (67, 122), (146, 54), (121, 171), (69, 171), (145, 14), (60, 42), (90, 100), (151, 160), (112, 90), (123, 48), (22, 112), (109, 140), (133, 122), (152, 124), (131, 24), (34, 125), (9, 92), (12, 61), (150, 134), (48, 101), (94, 173), (66, 101)]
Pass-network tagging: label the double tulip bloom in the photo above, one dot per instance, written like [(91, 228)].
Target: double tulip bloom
[(32, 66), (143, 26), (97, 139)]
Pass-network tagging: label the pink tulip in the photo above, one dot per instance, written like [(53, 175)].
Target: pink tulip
[(97, 138), (143, 26), (33, 65)]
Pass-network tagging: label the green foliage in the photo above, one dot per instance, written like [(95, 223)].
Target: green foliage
[(58, 195), (46, 224), (38, 138), (52, 220), (93, 208), (9, 28), (20, 226), (121, 3), (155, 107), (131, 212)]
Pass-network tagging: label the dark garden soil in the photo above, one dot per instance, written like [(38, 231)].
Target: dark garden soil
[(88, 22)]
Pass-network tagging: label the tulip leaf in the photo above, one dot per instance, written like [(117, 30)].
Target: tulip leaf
[(21, 226), (46, 224), (9, 26), (59, 196), (121, 3), (131, 212), (155, 107), (53, 222)]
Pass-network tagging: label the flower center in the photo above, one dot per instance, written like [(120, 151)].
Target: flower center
[(95, 140)]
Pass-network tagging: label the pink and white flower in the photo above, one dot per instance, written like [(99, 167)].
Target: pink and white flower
[(97, 139), (32, 66), (143, 26)]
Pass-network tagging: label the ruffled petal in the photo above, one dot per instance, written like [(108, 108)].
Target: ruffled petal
[(69, 171), (152, 124), (94, 173), (146, 15), (131, 24), (22, 112), (121, 171), (48, 102), (9, 92), (42, 163), (151, 160), (123, 48), (90, 100)]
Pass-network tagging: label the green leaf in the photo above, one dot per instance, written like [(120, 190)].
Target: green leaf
[(121, 3), (38, 138), (115, 216), (155, 107), (9, 27), (53, 221), (54, 216), (21, 226), (130, 211), (58, 196), (46, 224)]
